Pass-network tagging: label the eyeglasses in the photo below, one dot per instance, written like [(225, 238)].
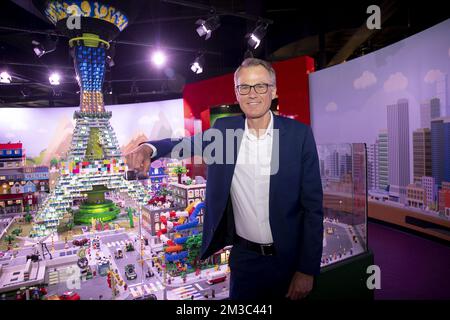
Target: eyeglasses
[(259, 88)]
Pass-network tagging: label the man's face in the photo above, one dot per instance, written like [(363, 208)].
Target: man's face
[(254, 105)]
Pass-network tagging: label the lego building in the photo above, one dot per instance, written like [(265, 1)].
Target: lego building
[(183, 195), (12, 160), (12, 155)]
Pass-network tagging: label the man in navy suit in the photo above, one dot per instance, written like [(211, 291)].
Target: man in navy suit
[(263, 195)]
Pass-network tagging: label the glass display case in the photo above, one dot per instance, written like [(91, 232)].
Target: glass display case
[(343, 170)]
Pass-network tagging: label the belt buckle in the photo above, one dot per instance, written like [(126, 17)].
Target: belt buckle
[(263, 252)]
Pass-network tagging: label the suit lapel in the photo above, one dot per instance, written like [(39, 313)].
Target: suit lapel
[(229, 167), (279, 148)]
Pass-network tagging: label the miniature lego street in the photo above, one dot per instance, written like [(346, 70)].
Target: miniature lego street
[(97, 233)]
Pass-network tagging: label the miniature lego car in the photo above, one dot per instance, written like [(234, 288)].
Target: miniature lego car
[(129, 246), (130, 272), (118, 254), (80, 243), (70, 295), (147, 297), (216, 277)]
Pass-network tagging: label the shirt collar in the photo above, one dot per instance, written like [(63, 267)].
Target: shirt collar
[(268, 132)]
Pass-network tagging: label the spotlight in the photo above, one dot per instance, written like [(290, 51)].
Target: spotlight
[(47, 46), (110, 61), (25, 91), (108, 88), (5, 77), (54, 79), (206, 27), (197, 65), (257, 35), (159, 58)]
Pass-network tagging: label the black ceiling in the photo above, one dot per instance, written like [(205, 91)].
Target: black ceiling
[(330, 32)]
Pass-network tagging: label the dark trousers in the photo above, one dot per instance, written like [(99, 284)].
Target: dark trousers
[(257, 277)]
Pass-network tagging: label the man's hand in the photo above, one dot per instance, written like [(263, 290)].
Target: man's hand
[(301, 286), (139, 160)]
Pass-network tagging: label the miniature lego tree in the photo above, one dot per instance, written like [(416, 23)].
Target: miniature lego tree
[(10, 238), (28, 217), (179, 171), (54, 162), (17, 232), (193, 245)]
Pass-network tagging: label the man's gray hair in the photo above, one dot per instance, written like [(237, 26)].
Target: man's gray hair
[(254, 62)]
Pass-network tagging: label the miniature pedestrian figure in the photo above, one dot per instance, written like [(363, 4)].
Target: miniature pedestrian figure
[(100, 297), (213, 293), (192, 297)]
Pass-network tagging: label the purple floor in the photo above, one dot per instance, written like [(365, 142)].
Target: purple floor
[(411, 267)]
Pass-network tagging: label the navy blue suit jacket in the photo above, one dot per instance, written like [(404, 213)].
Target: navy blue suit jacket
[(295, 198)]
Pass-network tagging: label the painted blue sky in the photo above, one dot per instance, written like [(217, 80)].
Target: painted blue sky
[(348, 101)]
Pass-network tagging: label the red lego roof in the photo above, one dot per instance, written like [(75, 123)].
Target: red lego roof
[(11, 146), (11, 196)]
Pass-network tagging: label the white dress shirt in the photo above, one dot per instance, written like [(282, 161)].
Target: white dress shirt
[(250, 186)]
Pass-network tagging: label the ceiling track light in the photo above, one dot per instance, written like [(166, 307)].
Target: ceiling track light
[(206, 27), (108, 89), (54, 79), (110, 61), (198, 64), (47, 46), (159, 58), (5, 77), (256, 36)]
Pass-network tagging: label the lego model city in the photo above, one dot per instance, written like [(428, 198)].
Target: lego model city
[(84, 228)]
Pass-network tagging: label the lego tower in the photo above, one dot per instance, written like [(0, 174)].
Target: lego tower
[(94, 164)]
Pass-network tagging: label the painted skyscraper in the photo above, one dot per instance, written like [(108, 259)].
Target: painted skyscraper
[(398, 148), (440, 149), (421, 154), (372, 166), (435, 108), (425, 115), (332, 164), (442, 95), (383, 162)]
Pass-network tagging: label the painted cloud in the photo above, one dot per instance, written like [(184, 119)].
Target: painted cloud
[(367, 79), (331, 107), (433, 75), (396, 82)]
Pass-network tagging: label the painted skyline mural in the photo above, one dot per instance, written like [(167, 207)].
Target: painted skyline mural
[(397, 101), (46, 133)]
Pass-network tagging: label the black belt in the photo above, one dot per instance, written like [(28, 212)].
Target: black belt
[(263, 249)]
